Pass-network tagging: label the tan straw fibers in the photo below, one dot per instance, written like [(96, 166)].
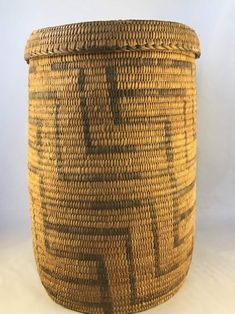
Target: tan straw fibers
[(111, 159)]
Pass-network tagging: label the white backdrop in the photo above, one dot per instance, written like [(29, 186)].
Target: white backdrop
[(211, 279)]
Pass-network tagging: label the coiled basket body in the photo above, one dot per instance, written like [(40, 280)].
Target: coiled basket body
[(111, 159)]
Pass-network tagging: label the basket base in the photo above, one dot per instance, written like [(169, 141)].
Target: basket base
[(128, 309)]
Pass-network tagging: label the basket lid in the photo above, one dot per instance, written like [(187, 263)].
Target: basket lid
[(100, 36)]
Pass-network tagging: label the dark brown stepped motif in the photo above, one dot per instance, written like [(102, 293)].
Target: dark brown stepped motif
[(112, 158)]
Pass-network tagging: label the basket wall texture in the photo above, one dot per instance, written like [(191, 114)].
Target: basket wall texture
[(112, 160)]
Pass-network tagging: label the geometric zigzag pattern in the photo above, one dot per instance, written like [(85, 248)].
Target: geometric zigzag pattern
[(112, 157)]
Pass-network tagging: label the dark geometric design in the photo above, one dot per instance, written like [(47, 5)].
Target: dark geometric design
[(115, 107), (59, 66), (112, 232), (90, 149), (116, 94), (102, 282)]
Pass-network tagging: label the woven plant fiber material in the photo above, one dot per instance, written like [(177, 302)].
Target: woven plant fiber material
[(112, 161)]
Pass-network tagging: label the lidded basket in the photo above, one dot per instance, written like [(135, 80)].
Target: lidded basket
[(112, 161)]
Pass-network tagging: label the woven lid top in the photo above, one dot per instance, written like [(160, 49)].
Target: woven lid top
[(116, 35)]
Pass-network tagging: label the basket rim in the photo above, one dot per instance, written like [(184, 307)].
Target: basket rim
[(111, 35)]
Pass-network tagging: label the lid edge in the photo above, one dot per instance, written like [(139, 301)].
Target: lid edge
[(113, 35)]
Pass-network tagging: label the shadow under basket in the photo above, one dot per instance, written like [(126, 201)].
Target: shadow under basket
[(112, 160)]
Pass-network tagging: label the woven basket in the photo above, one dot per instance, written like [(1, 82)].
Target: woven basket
[(111, 159)]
